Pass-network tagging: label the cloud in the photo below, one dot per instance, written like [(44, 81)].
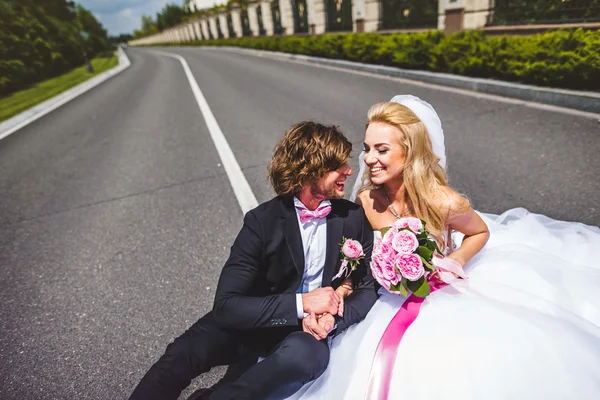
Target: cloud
[(128, 12), (124, 16)]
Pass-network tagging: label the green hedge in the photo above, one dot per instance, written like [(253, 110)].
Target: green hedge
[(562, 58)]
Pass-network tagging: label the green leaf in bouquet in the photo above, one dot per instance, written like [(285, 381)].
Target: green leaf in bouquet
[(428, 265), (384, 230), (424, 252), (436, 247), (420, 287), (403, 289), (431, 245), (422, 236)]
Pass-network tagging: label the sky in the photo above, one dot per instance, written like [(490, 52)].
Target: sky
[(123, 16)]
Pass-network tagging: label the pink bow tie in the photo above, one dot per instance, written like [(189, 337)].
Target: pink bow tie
[(307, 215)]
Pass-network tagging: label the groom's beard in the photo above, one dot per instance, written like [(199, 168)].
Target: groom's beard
[(325, 193)]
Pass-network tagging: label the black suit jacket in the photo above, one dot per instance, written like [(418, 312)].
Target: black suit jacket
[(257, 287)]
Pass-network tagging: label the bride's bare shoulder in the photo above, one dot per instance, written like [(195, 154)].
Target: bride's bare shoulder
[(372, 200), (367, 198)]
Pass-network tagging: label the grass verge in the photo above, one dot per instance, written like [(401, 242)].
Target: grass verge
[(22, 100)]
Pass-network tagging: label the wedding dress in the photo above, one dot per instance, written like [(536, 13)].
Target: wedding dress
[(525, 325)]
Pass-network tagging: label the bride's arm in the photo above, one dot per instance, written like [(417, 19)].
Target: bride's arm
[(463, 218), (344, 290)]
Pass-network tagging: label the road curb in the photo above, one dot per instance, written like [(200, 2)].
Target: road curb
[(23, 119), (578, 100)]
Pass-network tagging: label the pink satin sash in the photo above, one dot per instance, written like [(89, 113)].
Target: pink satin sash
[(385, 356)]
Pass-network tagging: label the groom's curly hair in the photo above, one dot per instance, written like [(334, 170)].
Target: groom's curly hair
[(307, 151)]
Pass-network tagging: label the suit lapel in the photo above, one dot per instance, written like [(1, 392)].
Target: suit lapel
[(293, 238), (335, 229)]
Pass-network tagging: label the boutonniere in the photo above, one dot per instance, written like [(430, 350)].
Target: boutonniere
[(352, 253)]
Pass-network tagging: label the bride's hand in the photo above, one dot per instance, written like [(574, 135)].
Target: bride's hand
[(344, 290)]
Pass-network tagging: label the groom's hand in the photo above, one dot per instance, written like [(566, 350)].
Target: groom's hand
[(312, 326), (327, 322), (321, 301)]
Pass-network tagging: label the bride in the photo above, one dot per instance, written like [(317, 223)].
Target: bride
[(524, 325)]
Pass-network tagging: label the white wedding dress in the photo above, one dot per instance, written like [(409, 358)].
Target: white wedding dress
[(526, 324)]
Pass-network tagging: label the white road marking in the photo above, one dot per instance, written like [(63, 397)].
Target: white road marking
[(241, 188)]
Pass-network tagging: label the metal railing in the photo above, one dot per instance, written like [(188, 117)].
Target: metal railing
[(524, 12), (404, 14), (339, 15)]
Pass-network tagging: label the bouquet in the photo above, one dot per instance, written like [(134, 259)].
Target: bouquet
[(405, 257)]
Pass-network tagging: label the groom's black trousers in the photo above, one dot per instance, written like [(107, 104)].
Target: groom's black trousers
[(294, 359)]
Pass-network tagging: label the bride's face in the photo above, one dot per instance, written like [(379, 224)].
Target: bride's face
[(383, 153)]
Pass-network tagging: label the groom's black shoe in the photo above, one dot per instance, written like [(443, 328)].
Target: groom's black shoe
[(200, 394), (233, 372)]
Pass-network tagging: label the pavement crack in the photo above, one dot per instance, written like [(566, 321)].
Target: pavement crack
[(105, 201)]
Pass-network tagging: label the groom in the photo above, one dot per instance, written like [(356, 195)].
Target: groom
[(275, 298)]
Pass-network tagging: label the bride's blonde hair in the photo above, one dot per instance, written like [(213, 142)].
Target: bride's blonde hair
[(422, 174)]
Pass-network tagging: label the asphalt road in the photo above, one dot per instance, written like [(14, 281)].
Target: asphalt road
[(116, 215)]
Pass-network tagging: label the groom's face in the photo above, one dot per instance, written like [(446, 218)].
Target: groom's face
[(331, 186)]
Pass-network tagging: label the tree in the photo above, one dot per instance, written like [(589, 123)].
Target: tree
[(39, 39), (96, 38), (148, 25), (171, 15)]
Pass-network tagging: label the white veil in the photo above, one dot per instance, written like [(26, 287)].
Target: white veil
[(428, 117)]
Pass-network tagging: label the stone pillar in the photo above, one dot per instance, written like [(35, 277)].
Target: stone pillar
[(477, 13), (236, 19), (265, 7), (212, 22), (204, 25), (223, 22), (371, 18), (197, 29), (253, 18), (287, 17), (458, 15), (190, 27), (317, 18), (358, 16)]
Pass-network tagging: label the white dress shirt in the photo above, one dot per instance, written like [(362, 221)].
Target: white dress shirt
[(314, 243)]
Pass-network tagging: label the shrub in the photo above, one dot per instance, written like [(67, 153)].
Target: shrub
[(561, 58)]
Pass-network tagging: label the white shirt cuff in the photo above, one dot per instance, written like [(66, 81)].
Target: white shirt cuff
[(299, 306)]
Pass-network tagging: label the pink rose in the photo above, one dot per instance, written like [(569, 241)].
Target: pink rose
[(390, 274), (414, 224), (378, 273), (389, 235), (352, 249), (376, 268), (405, 242), (410, 266), (386, 250)]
